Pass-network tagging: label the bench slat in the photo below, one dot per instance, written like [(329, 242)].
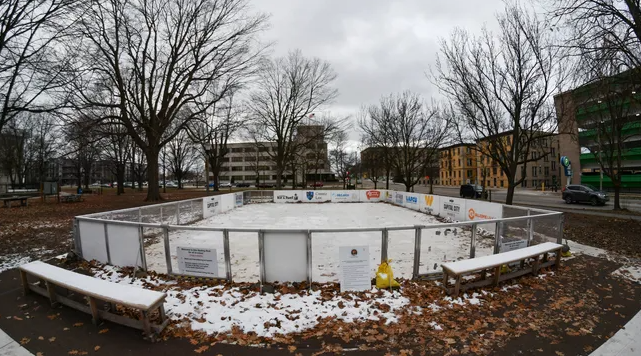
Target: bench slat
[(104, 290), (484, 262)]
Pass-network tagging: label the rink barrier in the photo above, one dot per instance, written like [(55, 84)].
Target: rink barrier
[(117, 237)]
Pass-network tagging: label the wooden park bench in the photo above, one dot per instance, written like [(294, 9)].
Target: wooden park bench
[(24, 201), (483, 264), (95, 290), (70, 198)]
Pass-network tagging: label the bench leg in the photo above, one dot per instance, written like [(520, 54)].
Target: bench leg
[(25, 282), (146, 325), (445, 278), (497, 274), (457, 286), (484, 274), (161, 311), (535, 266), (51, 291), (95, 317), (545, 257), (557, 262)]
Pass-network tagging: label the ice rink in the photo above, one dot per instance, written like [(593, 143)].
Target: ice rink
[(438, 245)]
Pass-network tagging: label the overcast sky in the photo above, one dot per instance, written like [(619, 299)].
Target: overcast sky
[(377, 47)]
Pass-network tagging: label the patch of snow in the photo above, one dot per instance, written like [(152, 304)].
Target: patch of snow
[(435, 325), (631, 269), (13, 260)]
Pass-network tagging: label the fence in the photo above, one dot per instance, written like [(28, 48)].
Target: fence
[(145, 236)]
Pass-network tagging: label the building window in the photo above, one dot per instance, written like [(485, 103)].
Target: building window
[(469, 162), (237, 159), (533, 171), (501, 183), (237, 150), (237, 178), (553, 152), (494, 182), (553, 166), (459, 174), (250, 149), (263, 177), (469, 173), (237, 169), (545, 158), (494, 173), (250, 178), (274, 177), (459, 162), (546, 171)]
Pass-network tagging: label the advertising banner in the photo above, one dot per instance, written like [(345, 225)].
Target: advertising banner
[(430, 204), (476, 210), (373, 195), (345, 196), (398, 198), (315, 196), (239, 199), (287, 196), (211, 206), (453, 208), (412, 201)]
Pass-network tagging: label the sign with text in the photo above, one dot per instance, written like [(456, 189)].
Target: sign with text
[(211, 206), (238, 199), (430, 204), (355, 271), (508, 246), (197, 261), (315, 196), (453, 208), (286, 196)]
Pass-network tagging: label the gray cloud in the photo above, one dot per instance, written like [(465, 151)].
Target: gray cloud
[(378, 46)]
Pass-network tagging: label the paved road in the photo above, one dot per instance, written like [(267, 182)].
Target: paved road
[(524, 197)]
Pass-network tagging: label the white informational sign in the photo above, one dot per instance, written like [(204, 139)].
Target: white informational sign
[(211, 206), (355, 270), (512, 245), (430, 204), (199, 262), (412, 201), (286, 196), (453, 208), (398, 198), (285, 256), (315, 196)]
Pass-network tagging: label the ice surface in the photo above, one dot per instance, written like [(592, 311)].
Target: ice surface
[(436, 247)]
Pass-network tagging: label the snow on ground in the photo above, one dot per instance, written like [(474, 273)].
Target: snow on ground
[(14, 260), (217, 309), (437, 245), (631, 268)]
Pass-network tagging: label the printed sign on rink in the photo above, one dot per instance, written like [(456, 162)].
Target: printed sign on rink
[(199, 262), (211, 206), (355, 271), (286, 196), (453, 208), (430, 204), (344, 196), (398, 198), (239, 199), (315, 196), (412, 201)]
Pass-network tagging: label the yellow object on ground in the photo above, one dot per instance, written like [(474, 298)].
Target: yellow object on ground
[(385, 276)]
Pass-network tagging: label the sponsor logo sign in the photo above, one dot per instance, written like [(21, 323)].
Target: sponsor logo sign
[(321, 196), (398, 197), (473, 214), (293, 197), (429, 200), (451, 208), (411, 199), (239, 199), (373, 194), (212, 204), (309, 195)]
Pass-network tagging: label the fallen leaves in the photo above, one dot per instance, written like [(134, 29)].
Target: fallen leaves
[(96, 348), (52, 339), (201, 349), (102, 331), (78, 324), (24, 341)]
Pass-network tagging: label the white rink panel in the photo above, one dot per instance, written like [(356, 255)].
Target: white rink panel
[(430, 204), (211, 206), (285, 256), (453, 208), (92, 241), (124, 245)]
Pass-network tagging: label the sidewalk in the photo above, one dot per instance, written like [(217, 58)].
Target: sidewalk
[(626, 341)]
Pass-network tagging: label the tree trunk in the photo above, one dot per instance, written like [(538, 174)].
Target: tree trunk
[(617, 192), (153, 183), (431, 186), (279, 178), (375, 183), (510, 193), (120, 178), (387, 172)]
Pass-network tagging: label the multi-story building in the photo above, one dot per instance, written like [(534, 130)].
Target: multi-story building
[(251, 162), (580, 111), (465, 164), (458, 164)]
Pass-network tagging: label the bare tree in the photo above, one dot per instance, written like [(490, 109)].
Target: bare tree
[(413, 132), (500, 87), (375, 124), (213, 131), (83, 148), (29, 65), (117, 150), (182, 156), (597, 26), (287, 92), (166, 63), (340, 159)]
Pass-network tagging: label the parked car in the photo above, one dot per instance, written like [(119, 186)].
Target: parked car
[(471, 191), (242, 185), (171, 184), (316, 185), (583, 193), (265, 185), (225, 185), (127, 184)]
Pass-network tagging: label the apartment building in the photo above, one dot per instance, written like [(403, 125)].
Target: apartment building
[(251, 162), (458, 164), (465, 164)]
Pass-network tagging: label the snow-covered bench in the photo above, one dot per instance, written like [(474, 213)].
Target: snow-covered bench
[(94, 290), (482, 264)]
